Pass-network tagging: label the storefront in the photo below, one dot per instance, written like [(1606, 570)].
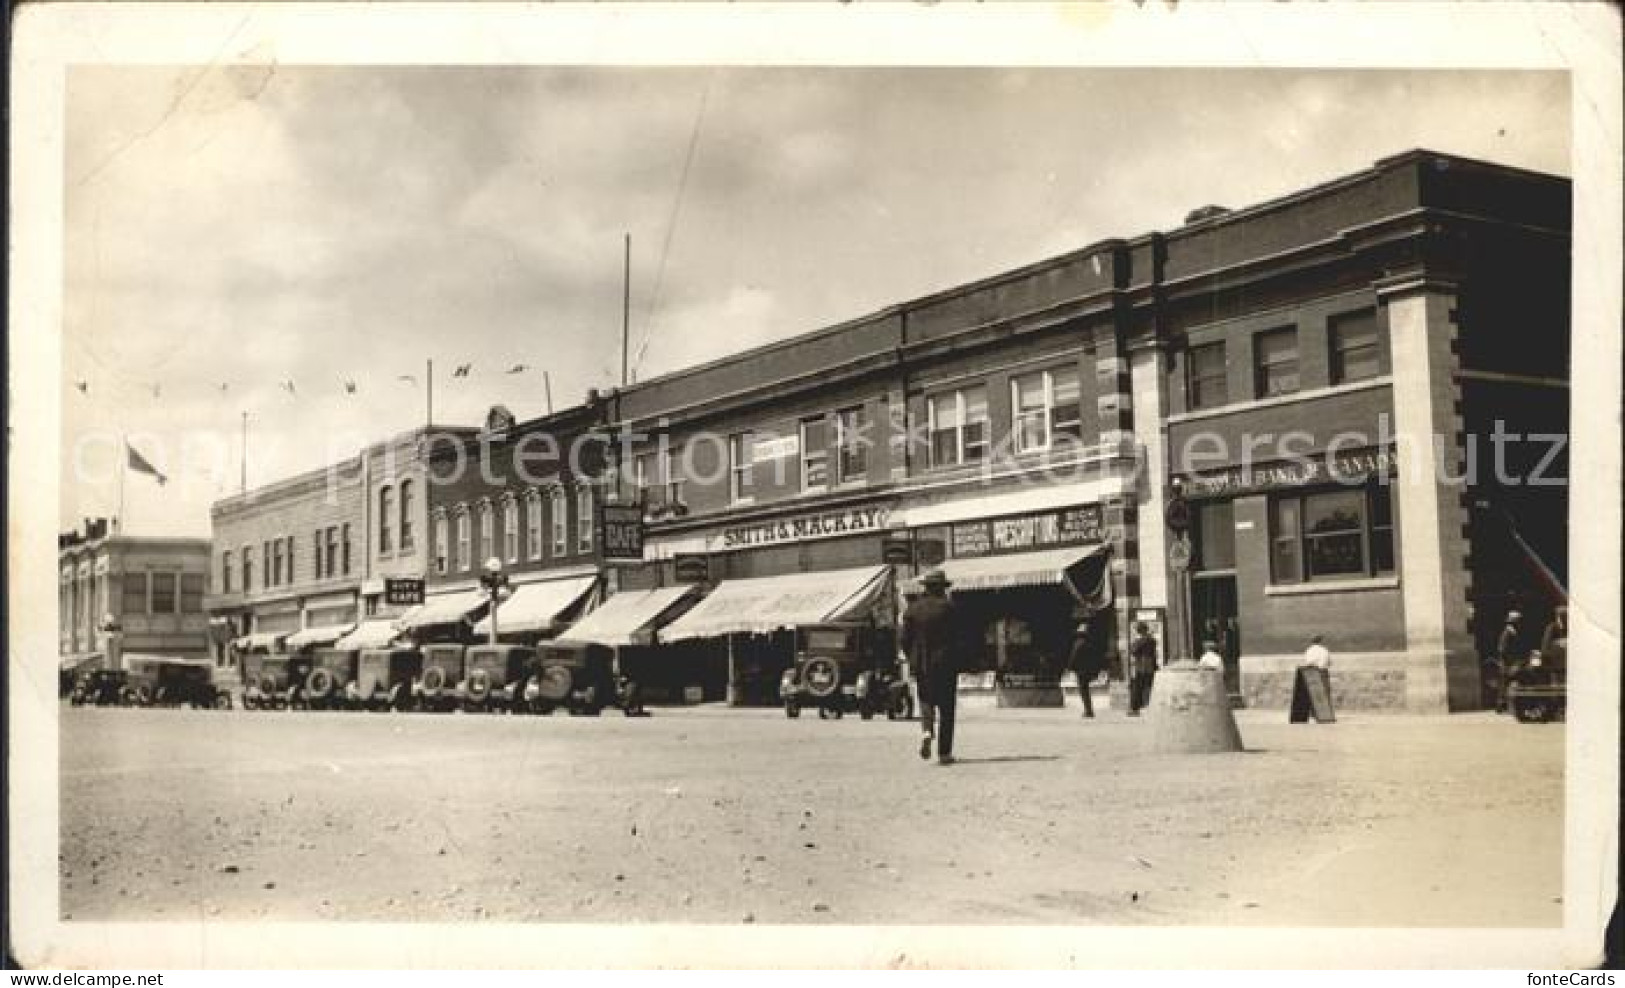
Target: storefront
[(540, 610), (630, 624)]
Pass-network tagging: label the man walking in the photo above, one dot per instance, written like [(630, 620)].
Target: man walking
[(1510, 651), (928, 639), (1142, 654), (1088, 657)]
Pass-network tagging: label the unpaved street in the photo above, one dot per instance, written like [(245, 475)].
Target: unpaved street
[(726, 816)]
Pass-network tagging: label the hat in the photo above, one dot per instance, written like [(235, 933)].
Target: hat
[(935, 578)]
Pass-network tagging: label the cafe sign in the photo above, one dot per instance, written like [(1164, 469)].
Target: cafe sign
[(620, 531), (1350, 468), (989, 536), (802, 528)]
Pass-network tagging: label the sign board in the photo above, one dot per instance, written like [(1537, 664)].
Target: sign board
[(403, 591), (692, 567), (1178, 513), (1179, 554), (801, 528), (1013, 533), (1350, 468), (766, 449), (1312, 696), (620, 531), (897, 549)]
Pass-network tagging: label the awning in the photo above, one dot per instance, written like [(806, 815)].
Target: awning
[(629, 618), (446, 608), (768, 603), (75, 663), (377, 633), (267, 640), (320, 635), (1081, 570), (537, 606), (129, 659)]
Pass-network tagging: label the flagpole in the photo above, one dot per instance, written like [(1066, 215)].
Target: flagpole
[(547, 386), (428, 420), (626, 303), (123, 468), (243, 481)]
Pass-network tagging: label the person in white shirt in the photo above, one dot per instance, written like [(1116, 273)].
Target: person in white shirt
[(1211, 659), (1317, 655)]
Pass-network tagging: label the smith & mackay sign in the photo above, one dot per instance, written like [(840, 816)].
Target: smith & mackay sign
[(821, 525), (1352, 467)]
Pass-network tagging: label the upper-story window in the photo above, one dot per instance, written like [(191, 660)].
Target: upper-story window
[(345, 532), (510, 530), (643, 475), (165, 596), (191, 593), (265, 564), (958, 427), (740, 451), (276, 563), (673, 477), (332, 567), (1045, 408), (316, 546), (584, 518), (559, 521), (851, 444), (225, 571), (386, 518), (487, 524), (1205, 383), (1355, 353), (814, 453), (290, 541), (1275, 362), (406, 516), (133, 597), (248, 568), (533, 524), (441, 537), (464, 553)]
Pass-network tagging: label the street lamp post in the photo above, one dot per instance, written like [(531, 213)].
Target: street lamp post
[(495, 582), (114, 632)]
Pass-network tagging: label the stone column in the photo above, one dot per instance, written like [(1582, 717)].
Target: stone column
[(1441, 672), (1114, 406)]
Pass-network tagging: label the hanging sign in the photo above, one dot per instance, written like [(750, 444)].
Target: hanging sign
[(403, 591), (620, 531), (692, 567)]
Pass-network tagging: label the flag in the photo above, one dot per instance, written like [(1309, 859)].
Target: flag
[(349, 387), (139, 464), (83, 386), (1090, 581), (518, 368), (462, 370)]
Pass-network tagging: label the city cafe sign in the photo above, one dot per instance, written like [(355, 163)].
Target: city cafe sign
[(1353, 467), (822, 525)]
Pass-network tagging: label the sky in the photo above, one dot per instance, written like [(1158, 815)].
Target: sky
[(232, 230)]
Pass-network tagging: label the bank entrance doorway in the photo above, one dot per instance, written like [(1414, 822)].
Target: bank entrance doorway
[(1213, 606)]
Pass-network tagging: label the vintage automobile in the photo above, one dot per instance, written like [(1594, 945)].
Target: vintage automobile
[(496, 676), (166, 681), (1537, 689), (578, 677), (99, 688), (436, 687), (384, 677), (841, 669), (274, 680), (331, 682)]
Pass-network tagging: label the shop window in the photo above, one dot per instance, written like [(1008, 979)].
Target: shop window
[(441, 563), (533, 524), (225, 571), (1205, 382), (1275, 369), (1044, 406), (740, 451), (958, 427), (191, 593), (558, 518), (1331, 535), (386, 508), (584, 518), (406, 516), (163, 593), (1213, 528), (133, 595), (814, 453), (852, 444), (1355, 354), (464, 549)]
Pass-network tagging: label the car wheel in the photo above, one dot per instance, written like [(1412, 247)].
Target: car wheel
[(222, 701), (792, 710)]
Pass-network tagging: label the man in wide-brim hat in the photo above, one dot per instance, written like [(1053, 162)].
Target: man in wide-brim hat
[(931, 640)]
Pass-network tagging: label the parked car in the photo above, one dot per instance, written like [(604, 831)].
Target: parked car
[(577, 677), (496, 676), (1537, 689), (273, 680), (841, 669), (100, 688), (384, 677), (331, 682), (163, 681), (436, 687)]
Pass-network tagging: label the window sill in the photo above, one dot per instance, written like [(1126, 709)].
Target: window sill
[(1331, 586)]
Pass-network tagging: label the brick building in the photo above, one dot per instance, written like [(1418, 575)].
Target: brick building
[(125, 595), (1011, 429)]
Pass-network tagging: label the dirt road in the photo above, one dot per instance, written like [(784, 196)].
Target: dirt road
[(726, 816)]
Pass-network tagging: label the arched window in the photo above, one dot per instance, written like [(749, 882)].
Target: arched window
[(485, 532), (406, 516), (462, 537), (559, 509), (584, 518), (386, 513), (533, 524), (441, 564), (510, 530)]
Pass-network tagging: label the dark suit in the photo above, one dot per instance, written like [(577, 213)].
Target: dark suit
[(929, 639)]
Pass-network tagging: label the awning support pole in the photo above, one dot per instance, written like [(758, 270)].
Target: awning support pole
[(735, 694)]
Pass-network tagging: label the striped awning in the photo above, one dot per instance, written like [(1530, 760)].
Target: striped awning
[(445, 608), (631, 617), (1047, 567), (537, 606), (319, 635), (770, 603), (376, 633)]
